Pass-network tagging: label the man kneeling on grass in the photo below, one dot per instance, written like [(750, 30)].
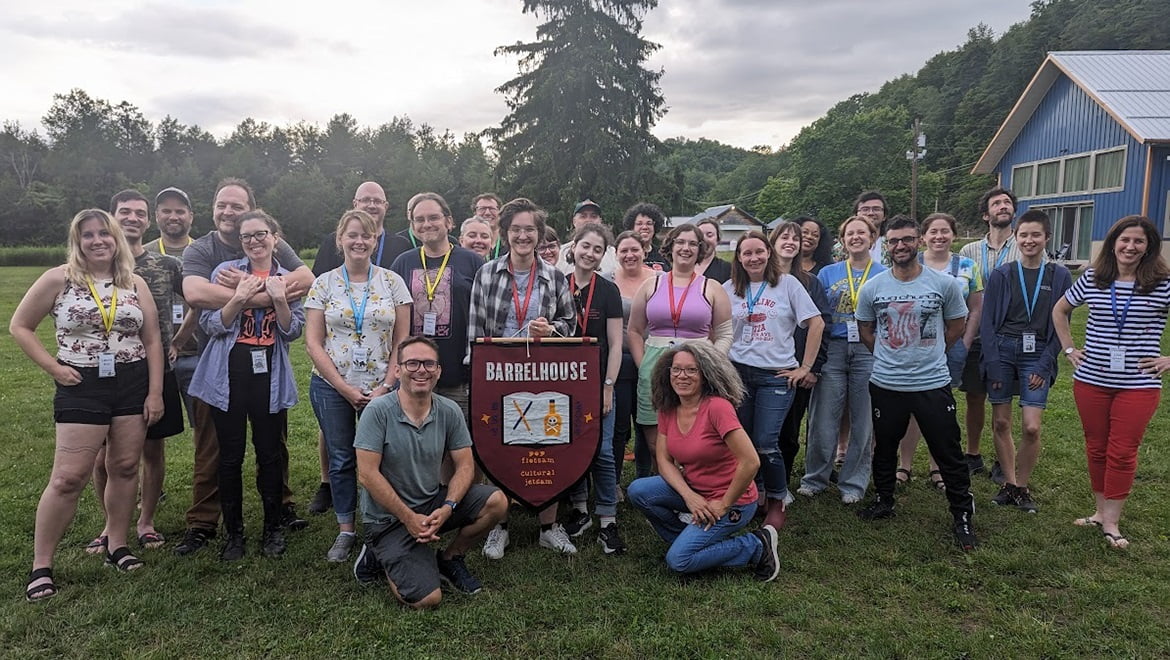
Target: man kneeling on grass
[(402, 439)]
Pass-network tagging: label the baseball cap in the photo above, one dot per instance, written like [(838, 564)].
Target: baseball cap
[(585, 203), (172, 192)]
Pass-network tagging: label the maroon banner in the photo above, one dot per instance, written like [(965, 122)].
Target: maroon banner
[(535, 414)]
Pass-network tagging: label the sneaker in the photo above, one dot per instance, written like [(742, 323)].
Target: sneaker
[(881, 507), (848, 499), (341, 547), (806, 491), (1024, 501), (610, 540), (555, 538), (367, 570), (974, 463), (272, 544), (965, 533), (686, 517), (193, 540), (996, 474), (769, 565), (1006, 496), (788, 498), (290, 520), (453, 572), (233, 548), (497, 540), (322, 500), (576, 522)]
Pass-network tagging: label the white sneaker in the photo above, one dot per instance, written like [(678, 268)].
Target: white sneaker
[(685, 517), (341, 547), (788, 498), (806, 491), (497, 540), (850, 499), (555, 538)]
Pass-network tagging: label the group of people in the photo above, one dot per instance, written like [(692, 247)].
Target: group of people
[(709, 365)]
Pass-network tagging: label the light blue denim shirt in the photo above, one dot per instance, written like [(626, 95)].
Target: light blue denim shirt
[(210, 381)]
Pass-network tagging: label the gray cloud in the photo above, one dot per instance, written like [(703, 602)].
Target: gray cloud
[(219, 113)]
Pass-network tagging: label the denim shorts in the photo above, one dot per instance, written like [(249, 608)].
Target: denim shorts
[(1014, 367)]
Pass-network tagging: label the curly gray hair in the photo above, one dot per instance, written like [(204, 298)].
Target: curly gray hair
[(718, 377)]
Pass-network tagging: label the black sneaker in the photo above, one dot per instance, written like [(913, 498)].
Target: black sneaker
[(453, 572), (366, 570), (233, 548), (974, 463), (290, 520), (610, 540), (193, 540), (996, 474), (881, 507), (322, 500), (273, 545), (1024, 501), (1006, 496), (769, 565), (575, 522), (965, 533)]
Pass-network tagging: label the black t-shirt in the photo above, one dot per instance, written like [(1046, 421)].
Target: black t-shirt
[(451, 304), (329, 257), (654, 260), (606, 304), (1016, 323), (719, 270)]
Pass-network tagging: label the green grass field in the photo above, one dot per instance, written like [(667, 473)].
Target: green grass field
[(1038, 586)]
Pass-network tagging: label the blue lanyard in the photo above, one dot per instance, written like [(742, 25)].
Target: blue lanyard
[(381, 244), (1030, 306), (359, 313), (1003, 251), (1120, 319), (753, 299)]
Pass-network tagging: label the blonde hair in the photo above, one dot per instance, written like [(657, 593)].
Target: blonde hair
[(367, 222), (76, 266)]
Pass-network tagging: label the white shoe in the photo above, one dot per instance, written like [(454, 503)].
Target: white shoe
[(497, 540), (806, 491), (850, 499), (555, 538), (788, 498), (341, 547), (685, 517)]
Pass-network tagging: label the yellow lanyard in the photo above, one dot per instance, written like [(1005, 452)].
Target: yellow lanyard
[(162, 249), (107, 313), (849, 276), (430, 288)]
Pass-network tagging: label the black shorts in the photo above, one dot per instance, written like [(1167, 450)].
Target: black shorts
[(411, 565), (98, 400), (972, 381), (171, 422)]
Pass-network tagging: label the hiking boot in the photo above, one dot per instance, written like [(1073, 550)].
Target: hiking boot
[(339, 552), (233, 547), (367, 570), (965, 533), (768, 567), (1006, 496), (996, 474), (1024, 501), (610, 540), (193, 540), (322, 500), (290, 520), (974, 463), (881, 507), (555, 538), (453, 572), (272, 544), (575, 522)]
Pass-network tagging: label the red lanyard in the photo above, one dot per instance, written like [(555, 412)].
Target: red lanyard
[(676, 312), (582, 320), (522, 312)]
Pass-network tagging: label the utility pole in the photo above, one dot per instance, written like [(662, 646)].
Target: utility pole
[(916, 153)]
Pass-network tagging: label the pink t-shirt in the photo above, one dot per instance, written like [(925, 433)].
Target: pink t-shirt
[(708, 465)]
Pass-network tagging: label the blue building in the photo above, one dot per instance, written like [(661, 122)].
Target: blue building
[(1089, 142)]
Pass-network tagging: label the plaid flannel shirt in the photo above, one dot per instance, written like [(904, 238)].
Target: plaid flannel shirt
[(491, 298)]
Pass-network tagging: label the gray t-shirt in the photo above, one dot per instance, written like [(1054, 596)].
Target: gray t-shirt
[(909, 352), (411, 456), (512, 325)]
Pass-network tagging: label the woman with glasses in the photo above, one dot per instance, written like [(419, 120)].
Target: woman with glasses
[(646, 221), (355, 317), (549, 248), (250, 346), (705, 491)]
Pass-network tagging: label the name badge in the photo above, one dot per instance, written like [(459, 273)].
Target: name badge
[(430, 324), (361, 358), (1029, 342), (851, 330), (1117, 359), (106, 365), (746, 336), (260, 361), (177, 313)]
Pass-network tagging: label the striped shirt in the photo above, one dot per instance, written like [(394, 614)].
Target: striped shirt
[(1140, 336)]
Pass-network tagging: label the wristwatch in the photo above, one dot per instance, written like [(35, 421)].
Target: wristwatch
[(609, 381), (1069, 350), (452, 504)]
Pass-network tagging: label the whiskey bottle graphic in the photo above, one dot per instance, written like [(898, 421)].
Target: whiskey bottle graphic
[(552, 421)]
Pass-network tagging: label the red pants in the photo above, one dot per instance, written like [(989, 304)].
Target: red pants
[(1114, 421)]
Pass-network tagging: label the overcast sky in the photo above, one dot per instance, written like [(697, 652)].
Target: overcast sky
[(745, 72)]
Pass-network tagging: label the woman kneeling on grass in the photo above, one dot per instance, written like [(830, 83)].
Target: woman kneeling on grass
[(108, 371), (704, 491)]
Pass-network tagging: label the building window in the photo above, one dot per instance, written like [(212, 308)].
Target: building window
[(1072, 229), (1109, 169), (1048, 178), (1095, 171), (1022, 181), (1076, 174)]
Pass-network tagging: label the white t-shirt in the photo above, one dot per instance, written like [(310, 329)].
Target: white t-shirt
[(762, 332)]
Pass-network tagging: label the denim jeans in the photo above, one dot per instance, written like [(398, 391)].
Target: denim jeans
[(603, 472), (766, 401), (1012, 372), (338, 421), (845, 375), (692, 548)]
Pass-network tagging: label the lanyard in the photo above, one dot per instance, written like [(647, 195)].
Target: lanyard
[(522, 312), (753, 299), (583, 319), (1120, 319), (359, 313), (109, 312), (410, 235), (258, 312), (381, 244), (999, 258), (430, 288), (861, 282), (1030, 306), (496, 249), (162, 249), (676, 312)]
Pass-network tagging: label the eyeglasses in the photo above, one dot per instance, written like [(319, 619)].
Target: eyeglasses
[(678, 242), (255, 236), (545, 247), (420, 219), (905, 240), (485, 209), (689, 371), (513, 229), (413, 365), (870, 209), (371, 201)]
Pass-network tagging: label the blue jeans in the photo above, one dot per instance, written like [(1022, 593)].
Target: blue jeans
[(845, 375), (692, 548), (766, 401), (603, 471), (1012, 371), (338, 422)]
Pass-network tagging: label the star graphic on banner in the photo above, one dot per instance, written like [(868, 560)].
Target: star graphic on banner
[(486, 418), (588, 417)]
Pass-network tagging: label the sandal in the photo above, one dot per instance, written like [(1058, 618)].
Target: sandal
[(42, 591), (97, 546), (1087, 522), (1116, 540), (151, 540), (902, 475), (122, 560), (938, 484)]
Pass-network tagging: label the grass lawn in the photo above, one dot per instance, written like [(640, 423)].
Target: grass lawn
[(1038, 586)]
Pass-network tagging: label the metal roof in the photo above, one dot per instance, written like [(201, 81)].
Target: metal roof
[(1132, 86)]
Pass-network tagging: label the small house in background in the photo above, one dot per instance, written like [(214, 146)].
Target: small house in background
[(1089, 143), (733, 223)]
